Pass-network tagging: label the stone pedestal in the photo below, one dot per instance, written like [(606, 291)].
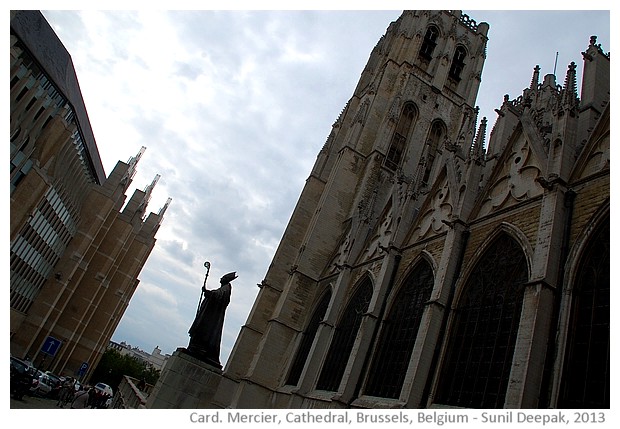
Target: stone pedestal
[(185, 382)]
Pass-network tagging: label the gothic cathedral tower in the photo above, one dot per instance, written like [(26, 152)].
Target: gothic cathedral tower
[(401, 153), (423, 267)]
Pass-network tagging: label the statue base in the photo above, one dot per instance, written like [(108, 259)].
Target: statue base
[(184, 382), (202, 356)]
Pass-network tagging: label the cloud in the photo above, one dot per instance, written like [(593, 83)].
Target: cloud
[(233, 107)]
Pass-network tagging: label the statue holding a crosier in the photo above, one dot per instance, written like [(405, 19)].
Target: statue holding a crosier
[(206, 331)]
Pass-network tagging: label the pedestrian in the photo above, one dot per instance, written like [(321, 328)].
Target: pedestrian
[(66, 392), (80, 400), (92, 393)]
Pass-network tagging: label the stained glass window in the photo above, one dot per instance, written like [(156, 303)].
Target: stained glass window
[(398, 334), (344, 337), (585, 381), (484, 330), (307, 340)]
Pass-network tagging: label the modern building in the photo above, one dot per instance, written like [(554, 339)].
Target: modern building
[(76, 245), (423, 267)]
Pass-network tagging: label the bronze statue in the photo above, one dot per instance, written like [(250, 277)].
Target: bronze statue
[(206, 331)]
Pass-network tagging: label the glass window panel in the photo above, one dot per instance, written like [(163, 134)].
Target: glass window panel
[(307, 340), (586, 377), (398, 333), (344, 337), (484, 329)]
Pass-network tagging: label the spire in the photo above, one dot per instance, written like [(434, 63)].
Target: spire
[(570, 86), (535, 76), (471, 134), (477, 149), (147, 194), (131, 171), (165, 207), (593, 50)]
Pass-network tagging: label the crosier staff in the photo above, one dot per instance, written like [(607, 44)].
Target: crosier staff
[(204, 286)]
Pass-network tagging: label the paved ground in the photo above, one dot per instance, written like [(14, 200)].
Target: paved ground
[(33, 402)]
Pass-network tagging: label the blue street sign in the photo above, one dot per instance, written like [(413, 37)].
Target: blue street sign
[(51, 346), (83, 368)]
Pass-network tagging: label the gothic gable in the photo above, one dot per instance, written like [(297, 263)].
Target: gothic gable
[(595, 156), (514, 177), (436, 211), (370, 244), (381, 236), (341, 254)]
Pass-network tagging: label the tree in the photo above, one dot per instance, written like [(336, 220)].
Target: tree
[(113, 366)]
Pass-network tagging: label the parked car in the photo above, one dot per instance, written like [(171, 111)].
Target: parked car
[(55, 378), (55, 382), (45, 385), (103, 396), (35, 386), (104, 388), (22, 378), (22, 363)]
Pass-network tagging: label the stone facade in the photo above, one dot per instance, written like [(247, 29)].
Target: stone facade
[(76, 247), (406, 186)]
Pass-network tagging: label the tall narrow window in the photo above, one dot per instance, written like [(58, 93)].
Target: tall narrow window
[(399, 139), (398, 334), (585, 381), (307, 339), (39, 246), (458, 63), (432, 144), (429, 43), (484, 329), (344, 337)]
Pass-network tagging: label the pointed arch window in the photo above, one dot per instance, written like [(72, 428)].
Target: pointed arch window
[(438, 130), (307, 339), (586, 377), (458, 64), (484, 329), (399, 139), (429, 43), (398, 334), (344, 337)]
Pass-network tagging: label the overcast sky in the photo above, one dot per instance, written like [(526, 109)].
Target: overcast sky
[(233, 107)]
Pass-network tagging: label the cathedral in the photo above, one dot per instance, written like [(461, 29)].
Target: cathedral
[(425, 265)]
